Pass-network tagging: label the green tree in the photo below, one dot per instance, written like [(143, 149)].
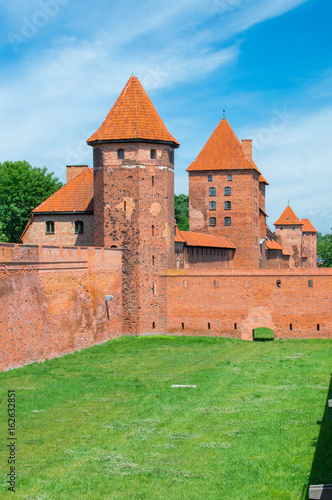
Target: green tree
[(324, 249), (181, 211), (22, 188)]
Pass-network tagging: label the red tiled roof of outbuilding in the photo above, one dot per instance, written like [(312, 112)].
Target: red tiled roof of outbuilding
[(76, 196), (132, 117), (206, 240), (307, 226), (288, 218), (223, 151)]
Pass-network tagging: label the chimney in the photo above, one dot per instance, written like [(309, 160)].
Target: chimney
[(72, 171), (247, 148)]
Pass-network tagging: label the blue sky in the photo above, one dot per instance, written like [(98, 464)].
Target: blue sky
[(267, 62)]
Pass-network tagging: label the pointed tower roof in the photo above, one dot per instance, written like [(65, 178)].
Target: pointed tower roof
[(307, 226), (223, 151), (288, 218), (133, 118)]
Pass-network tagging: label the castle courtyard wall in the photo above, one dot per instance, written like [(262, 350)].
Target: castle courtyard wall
[(52, 301), (231, 303)]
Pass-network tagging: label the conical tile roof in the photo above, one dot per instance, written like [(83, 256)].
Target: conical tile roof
[(223, 151), (288, 218), (133, 118)]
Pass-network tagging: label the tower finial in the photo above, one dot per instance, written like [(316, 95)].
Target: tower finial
[(288, 202), (224, 113)]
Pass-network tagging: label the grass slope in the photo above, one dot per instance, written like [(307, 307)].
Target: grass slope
[(106, 424)]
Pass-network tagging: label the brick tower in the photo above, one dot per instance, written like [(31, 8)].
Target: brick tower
[(225, 192), (288, 230), (309, 243), (134, 200)]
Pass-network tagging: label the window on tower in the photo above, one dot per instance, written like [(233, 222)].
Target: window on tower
[(153, 154), (212, 191), (121, 154), (209, 178), (227, 191), (213, 205), (213, 221), (227, 221), (79, 227), (230, 177), (49, 227), (227, 205)]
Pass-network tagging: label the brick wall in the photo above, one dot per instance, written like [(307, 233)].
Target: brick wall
[(309, 245), (52, 301), (244, 230), (64, 230), (233, 303)]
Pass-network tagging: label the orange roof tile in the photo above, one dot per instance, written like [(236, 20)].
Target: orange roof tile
[(263, 180), (177, 236), (206, 240), (285, 252), (223, 151), (76, 196), (307, 226), (288, 218), (262, 210), (273, 245), (304, 256), (133, 117)]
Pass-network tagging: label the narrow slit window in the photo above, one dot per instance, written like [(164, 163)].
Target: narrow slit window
[(152, 180), (153, 260), (121, 154), (153, 154), (235, 326), (153, 289), (318, 327), (125, 206), (49, 227), (153, 325), (171, 156), (152, 230), (209, 326), (182, 326), (79, 227), (291, 326)]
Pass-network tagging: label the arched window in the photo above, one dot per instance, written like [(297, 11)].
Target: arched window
[(121, 154), (213, 205), (212, 191), (227, 191), (227, 221), (213, 221), (79, 227), (153, 154), (49, 227), (227, 205)]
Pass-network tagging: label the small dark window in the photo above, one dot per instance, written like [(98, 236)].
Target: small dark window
[(209, 326), (182, 325), (171, 156), (125, 206), (153, 260), (227, 221), (213, 221), (291, 326), (185, 283), (235, 326), (153, 325), (121, 154), (213, 205), (152, 180), (227, 191), (230, 177), (212, 191), (79, 227), (153, 154), (153, 289), (210, 178), (216, 282), (310, 283), (318, 327), (49, 227), (279, 283), (152, 230), (227, 205)]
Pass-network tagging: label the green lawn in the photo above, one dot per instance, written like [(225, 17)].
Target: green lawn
[(105, 423)]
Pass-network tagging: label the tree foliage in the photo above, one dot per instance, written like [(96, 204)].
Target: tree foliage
[(22, 188), (181, 211), (324, 249)]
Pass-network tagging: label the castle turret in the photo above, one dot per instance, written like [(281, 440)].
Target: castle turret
[(134, 200), (288, 230), (224, 194)]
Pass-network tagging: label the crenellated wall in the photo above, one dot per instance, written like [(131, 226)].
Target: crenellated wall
[(52, 301)]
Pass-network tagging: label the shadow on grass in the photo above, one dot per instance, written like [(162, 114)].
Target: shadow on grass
[(321, 469)]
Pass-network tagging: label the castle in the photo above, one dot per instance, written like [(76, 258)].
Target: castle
[(226, 276)]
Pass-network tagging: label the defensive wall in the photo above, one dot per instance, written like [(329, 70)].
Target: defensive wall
[(231, 303), (52, 300)]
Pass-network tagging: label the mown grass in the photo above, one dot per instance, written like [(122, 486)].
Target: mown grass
[(106, 424)]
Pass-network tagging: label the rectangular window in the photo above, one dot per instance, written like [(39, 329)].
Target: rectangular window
[(227, 221), (213, 205), (212, 191), (227, 191), (79, 227), (213, 221), (210, 178), (230, 177), (227, 205), (49, 227)]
